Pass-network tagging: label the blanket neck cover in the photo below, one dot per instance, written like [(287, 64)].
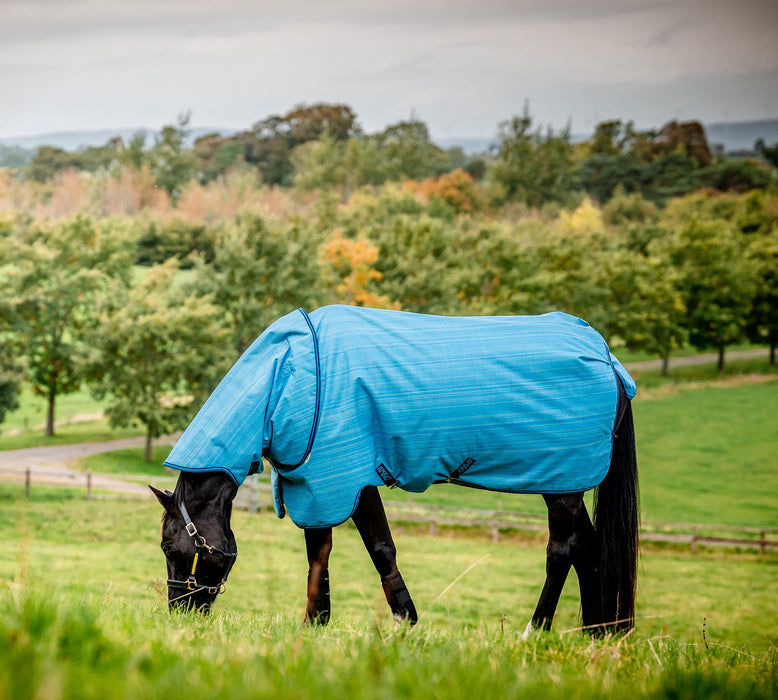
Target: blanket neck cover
[(349, 396)]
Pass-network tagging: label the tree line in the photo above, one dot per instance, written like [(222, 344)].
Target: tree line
[(322, 146), (150, 314)]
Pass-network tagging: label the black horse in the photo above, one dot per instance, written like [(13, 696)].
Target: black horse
[(200, 546)]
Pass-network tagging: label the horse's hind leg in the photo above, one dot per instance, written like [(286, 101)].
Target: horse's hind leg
[(318, 545), (372, 525), (560, 530), (585, 556)]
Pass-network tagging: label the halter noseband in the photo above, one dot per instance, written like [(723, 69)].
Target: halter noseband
[(191, 584)]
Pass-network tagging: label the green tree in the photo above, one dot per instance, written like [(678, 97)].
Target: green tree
[(716, 281), (172, 164), (319, 164), (10, 368), (57, 279), (647, 302), (49, 160), (158, 354), (259, 273), (532, 167), (762, 324)]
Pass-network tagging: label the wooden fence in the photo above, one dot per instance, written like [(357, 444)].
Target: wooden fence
[(255, 496)]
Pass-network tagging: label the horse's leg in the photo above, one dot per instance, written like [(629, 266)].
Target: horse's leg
[(585, 556), (561, 531), (318, 545), (372, 525)]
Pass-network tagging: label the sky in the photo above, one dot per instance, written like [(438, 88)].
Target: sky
[(461, 66)]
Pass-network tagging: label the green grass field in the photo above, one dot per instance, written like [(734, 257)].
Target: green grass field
[(82, 613)]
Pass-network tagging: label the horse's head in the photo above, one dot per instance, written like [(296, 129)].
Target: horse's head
[(197, 539)]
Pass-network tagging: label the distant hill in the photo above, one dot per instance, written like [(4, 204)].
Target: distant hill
[(741, 136), (79, 140)]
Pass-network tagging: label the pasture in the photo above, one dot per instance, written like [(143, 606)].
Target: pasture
[(82, 610)]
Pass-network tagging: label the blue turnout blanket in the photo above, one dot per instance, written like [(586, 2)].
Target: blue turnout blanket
[(346, 397)]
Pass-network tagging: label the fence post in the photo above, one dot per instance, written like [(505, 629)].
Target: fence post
[(433, 527), (694, 540), (762, 542), (495, 527), (88, 484), (27, 481)]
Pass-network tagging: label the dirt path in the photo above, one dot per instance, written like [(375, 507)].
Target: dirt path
[(53, 464), (703, 359)]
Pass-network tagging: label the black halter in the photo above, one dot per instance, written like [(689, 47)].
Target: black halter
[(191, 584)]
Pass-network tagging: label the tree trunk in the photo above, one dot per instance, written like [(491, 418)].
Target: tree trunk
[(721, 359), (772, 353), (147, 451), (666, 363), (50, 412)]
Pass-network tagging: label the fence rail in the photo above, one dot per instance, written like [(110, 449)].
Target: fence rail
[(255, 495)]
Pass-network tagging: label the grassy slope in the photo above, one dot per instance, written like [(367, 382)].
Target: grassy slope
[(79, 616)]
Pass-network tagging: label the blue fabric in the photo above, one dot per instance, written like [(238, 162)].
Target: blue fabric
[(349, 396)]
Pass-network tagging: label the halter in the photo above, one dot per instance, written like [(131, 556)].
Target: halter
[(191, 584)]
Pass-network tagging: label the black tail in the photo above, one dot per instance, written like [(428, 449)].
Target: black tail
[(616, 520)]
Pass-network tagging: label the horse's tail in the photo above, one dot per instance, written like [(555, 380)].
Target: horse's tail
[(616, 521)]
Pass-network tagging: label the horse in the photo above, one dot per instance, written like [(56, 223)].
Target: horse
[(347, 399)]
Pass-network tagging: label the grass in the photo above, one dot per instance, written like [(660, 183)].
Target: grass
[(78, 419), (82, 612), (81, 616)]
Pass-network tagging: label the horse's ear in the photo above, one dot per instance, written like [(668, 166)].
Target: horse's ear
[(164, 497)]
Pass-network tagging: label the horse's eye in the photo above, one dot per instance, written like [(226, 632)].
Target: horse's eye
[(167, 547)]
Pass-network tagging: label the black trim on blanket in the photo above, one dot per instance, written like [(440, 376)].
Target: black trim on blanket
[(317, 410)]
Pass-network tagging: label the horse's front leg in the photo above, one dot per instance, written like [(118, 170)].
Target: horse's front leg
[(372, 525), (318, 545)]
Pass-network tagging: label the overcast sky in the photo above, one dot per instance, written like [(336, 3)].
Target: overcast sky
[(462, 66)]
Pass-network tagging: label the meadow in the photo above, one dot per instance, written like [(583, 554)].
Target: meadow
[(83, 613)]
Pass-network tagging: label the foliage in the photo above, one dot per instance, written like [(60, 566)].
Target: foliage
[(150, 355), (762, 323), (530, 167), (56, 278), (171, 163), (164, 240), (715, 281), (348, 268), (259, 272), (456, 190)]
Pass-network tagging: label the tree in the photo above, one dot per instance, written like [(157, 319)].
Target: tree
[(10, 368), (57, 279), (762, 324), (259, 273), (716, 282), (405, 152), (531, 167), (49, 160), (647, 302), (158, 355), (172, 164)]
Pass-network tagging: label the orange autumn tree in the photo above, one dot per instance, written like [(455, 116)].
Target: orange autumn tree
[(348, 268), (457, 189)]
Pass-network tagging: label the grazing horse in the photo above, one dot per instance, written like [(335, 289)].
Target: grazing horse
[(347, 399)]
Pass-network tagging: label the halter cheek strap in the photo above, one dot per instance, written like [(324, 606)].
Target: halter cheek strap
[(191, 585)]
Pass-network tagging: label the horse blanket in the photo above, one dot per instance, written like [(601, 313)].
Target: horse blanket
[(347, 397)]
